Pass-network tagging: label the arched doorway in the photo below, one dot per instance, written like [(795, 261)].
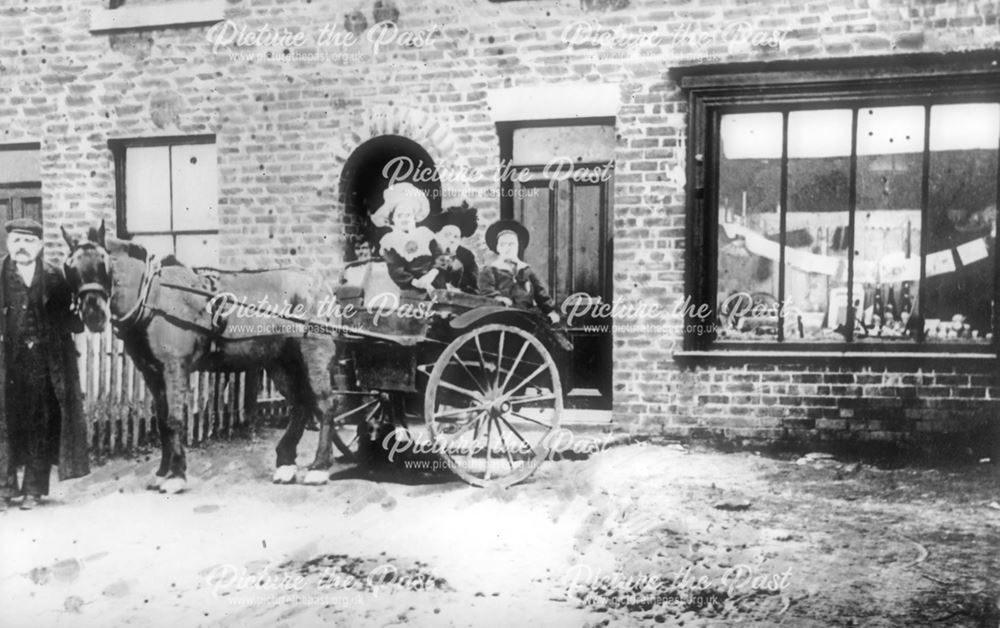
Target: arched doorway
[(364, 178)]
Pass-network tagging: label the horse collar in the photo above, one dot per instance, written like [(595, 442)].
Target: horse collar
[(149, 273)]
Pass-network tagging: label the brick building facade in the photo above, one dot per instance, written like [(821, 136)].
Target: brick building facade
[(82, 84)]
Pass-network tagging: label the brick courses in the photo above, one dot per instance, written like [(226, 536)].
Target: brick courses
[(285, 129)]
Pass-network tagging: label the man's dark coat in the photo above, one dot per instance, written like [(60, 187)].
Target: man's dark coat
[(57, 326)]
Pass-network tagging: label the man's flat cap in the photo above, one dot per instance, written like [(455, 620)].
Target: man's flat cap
[(24, 225)]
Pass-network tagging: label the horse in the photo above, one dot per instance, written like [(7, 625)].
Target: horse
[(174, 321)]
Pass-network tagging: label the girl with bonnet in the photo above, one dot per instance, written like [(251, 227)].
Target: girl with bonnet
[(408, 250)]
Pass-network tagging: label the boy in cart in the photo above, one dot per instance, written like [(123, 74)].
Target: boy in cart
[(510, 280)]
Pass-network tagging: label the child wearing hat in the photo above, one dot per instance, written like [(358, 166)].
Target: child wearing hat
[(457, 264), (407, 248), (509, 279)]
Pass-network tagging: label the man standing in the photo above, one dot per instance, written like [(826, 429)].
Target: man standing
[(41, 408)]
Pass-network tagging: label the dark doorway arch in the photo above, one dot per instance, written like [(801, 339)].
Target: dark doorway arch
[(363, 180)]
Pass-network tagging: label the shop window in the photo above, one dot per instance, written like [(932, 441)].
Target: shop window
[(850, 210), (168, 196)]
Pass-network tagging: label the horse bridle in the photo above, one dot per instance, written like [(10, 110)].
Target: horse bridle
[(149, 274)]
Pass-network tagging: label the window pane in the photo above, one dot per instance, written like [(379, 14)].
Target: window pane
[(20, 165), (540, 145), (887, 232), (532, 209), (961, 222), (816, 239), (195, 187), (147, 188), (159, 245), (749, 192), (198, 250), (586, 238)]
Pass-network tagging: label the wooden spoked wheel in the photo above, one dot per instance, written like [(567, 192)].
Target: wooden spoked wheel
[(492, 405), (368, 411)]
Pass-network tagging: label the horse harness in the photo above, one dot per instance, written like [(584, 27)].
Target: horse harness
[(149, 274), (138, 311)]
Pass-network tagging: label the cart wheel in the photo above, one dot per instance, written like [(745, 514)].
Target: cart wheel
[(492, 403), (370, 410)]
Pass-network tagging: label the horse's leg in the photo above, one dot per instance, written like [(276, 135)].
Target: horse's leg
[(176, 380), (159, 405), (319, 358), (160, 409), (286, 381), (286, 469), (319, 468)]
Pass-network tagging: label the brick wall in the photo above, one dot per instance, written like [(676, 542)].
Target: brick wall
[(929, 409), (286, 126)]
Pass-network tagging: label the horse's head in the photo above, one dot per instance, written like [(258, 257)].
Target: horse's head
[(88, 271)]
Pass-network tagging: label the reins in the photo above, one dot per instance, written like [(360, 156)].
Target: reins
[(152, 270), (325, 328)]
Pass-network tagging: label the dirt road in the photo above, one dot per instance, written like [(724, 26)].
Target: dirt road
[(635, 535)]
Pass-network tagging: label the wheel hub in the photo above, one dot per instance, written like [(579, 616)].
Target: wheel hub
[(497, 404), (499, 407)]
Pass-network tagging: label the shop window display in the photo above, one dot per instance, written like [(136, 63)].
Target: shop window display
[(857, 224)]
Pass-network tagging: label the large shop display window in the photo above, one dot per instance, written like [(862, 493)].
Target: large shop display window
[(846, 213)]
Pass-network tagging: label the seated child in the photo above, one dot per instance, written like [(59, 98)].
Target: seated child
[(357, 270), (457, 264), (510, 280), (407, 248)]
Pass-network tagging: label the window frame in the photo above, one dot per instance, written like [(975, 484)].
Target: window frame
[(119, 148), (505, 132), (855, 83), (120, 17)]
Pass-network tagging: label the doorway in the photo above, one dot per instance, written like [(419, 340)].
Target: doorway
[(566, 204), (366, 174)]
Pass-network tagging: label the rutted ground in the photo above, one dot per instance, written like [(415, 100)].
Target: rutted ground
[(636, 535)]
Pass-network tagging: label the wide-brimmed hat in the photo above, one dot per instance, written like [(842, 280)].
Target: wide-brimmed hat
[(464, 217), (397, 195), (498, 228), (24, 225)]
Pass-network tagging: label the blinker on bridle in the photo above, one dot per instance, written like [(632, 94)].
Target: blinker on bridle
[(103, 273), (149, 273)]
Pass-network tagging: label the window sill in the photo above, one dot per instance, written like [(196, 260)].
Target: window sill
[(834, 357), (176, 14)]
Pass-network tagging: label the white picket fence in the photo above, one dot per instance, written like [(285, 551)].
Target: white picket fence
[(119, 408)]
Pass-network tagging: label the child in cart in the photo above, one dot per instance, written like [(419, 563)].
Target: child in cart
[(510, 280), (358, 269), (457, 264), (408, 250)]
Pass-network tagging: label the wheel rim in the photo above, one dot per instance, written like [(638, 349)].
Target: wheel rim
[(492, 404)]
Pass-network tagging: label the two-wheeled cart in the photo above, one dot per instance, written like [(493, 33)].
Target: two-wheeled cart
[(481, 376)]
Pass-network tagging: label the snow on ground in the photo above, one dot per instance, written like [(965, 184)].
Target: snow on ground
[(635, 535)]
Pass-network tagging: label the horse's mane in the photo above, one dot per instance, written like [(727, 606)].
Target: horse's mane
[(132, 249), (138, 251)]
